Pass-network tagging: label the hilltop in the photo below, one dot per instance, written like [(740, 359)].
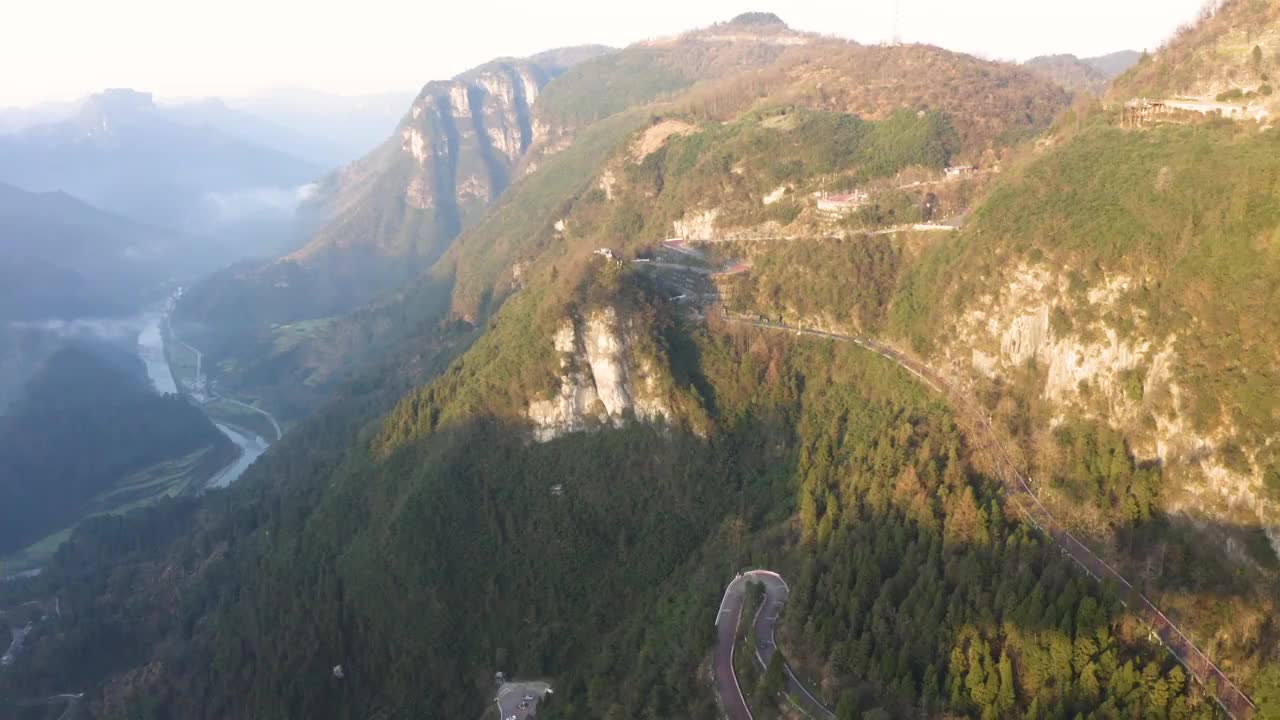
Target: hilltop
[(1091, 75), (1231, 55)]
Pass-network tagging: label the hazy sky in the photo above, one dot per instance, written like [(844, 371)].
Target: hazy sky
[(61, 49)]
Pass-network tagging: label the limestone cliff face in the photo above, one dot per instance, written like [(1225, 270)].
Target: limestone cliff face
[(397, 209), (603, 381), (463, 137), (1090, 370)]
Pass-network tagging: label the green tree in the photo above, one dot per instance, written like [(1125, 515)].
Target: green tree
[(1271, 482), (1005, 699), (847, 708), (774, 680), (1266, 693)]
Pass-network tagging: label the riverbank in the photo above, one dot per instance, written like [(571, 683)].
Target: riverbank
[(208, 467), (240, 422), (251, 448)]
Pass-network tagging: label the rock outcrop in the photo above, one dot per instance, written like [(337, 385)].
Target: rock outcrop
[(465, 136), (1088, 369), (603, 381)]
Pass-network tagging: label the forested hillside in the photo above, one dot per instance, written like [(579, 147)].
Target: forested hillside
[(1123, 279), (280, 330), (1080, 75), (549, 452), (81, 426), (379, 561), (1230, 55)]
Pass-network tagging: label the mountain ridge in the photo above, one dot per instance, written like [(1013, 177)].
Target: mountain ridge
[(1230, 55), (111, 262), (124, 153), (1092, 75)]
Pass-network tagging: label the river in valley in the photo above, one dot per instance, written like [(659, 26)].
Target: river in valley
[(151, 350), (251, 446), (19, 634)]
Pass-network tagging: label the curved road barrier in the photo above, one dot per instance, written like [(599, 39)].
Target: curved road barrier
[(776, 593), (1231, 698), (519, 699)]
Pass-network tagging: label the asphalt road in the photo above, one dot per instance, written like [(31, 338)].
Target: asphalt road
[(251, 444), (731, 699), (511, 694), (766, 619), (775, 596)]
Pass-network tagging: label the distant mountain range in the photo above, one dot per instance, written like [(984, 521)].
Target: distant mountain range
[(1076, 74), (123, 153), (324, 129), (61, 258), (16, 119)]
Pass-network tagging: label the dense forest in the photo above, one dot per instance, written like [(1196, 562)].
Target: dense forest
[(412, 537), (925, 588), (63, 441), (424, 569)]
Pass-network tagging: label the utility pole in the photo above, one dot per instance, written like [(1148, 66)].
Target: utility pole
[(897, 16)]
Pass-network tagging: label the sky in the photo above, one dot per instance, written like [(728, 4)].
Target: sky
[(63, 49)]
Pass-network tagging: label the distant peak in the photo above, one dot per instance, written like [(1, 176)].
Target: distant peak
[(123, 98), (757, 19), (102, 113), (119, 102)]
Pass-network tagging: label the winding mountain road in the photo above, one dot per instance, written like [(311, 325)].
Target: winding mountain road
[(776, 593), (207, 394), (1228, 695), (732, 700)]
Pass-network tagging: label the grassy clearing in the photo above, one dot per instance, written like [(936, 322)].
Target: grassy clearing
[(287, 337), (182, 361), (36, 554)]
